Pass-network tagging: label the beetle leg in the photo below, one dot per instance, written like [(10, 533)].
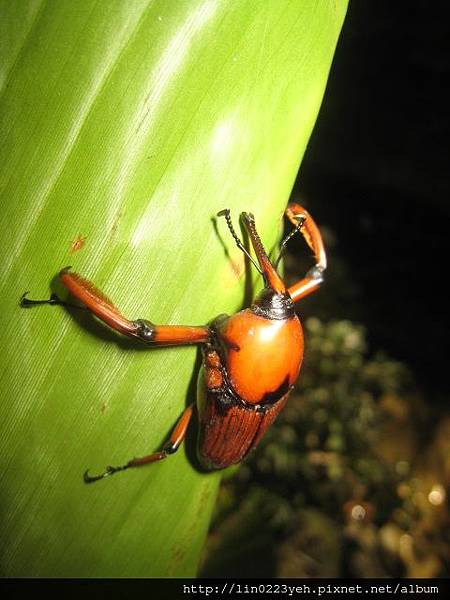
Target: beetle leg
[(308, 228), (170, 447), (102, 307), (54, 300)]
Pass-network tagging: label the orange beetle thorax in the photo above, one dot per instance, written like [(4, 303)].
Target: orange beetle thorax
[(262, 356)]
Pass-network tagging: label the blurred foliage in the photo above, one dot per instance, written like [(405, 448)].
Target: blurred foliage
[(348, 482)]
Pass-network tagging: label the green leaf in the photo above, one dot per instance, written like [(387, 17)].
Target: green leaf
[(125, 126)]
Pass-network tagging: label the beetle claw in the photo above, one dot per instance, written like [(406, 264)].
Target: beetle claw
[(89, 479), (106, 473), (24, 301)]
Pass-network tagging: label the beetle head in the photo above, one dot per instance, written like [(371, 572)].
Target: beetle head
[(273, 305)]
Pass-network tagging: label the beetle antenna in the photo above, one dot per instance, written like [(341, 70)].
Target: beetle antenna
[(226, 213), (301, 219)]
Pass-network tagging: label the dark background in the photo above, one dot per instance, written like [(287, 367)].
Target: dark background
[(376, 171)]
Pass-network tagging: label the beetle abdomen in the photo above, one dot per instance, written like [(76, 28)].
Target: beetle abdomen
[(228, 431), (229, 427)]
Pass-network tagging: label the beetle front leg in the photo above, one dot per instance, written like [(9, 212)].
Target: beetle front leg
[(170, 447), (102, 307), (308, 228)]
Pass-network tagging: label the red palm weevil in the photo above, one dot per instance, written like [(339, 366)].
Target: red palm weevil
[(251, 360)]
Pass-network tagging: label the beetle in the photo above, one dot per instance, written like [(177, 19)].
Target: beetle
[(251, 360)]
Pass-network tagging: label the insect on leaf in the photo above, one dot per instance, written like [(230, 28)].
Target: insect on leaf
[(125, 127)]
